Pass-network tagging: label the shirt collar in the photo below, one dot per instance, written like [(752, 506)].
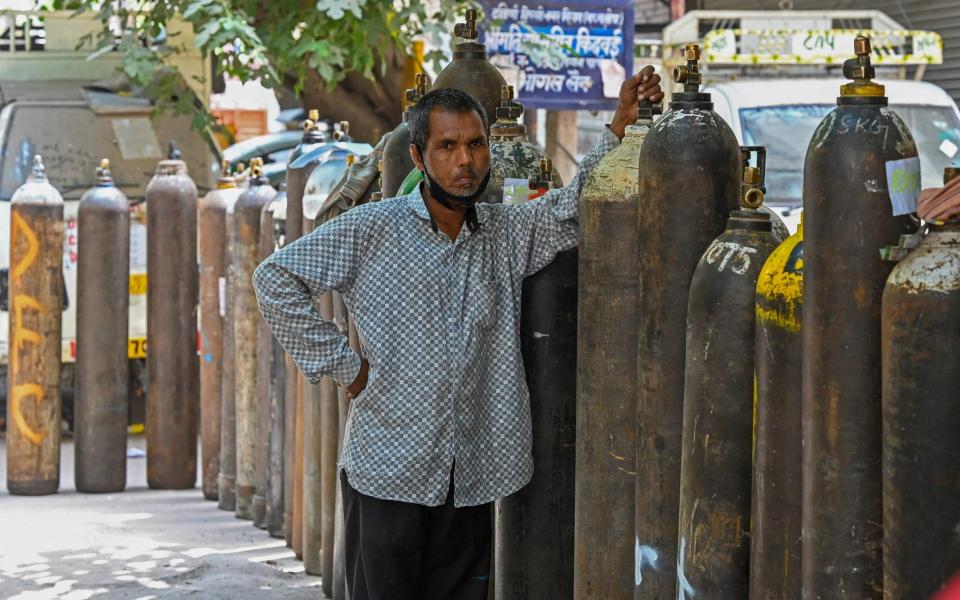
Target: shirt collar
[(419, 206)]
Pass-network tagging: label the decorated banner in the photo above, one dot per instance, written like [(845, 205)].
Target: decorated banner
[(571, 54), (819, 46)]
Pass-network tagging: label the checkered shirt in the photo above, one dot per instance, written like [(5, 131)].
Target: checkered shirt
[(439, 324)]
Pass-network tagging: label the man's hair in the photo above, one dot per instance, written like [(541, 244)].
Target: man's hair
[(448, 99)]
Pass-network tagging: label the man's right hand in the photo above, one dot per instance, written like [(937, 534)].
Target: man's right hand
[(355, 388)]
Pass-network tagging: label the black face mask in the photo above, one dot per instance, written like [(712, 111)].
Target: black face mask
[(454, 201)]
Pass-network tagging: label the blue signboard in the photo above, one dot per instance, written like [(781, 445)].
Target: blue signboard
[(562, 54)]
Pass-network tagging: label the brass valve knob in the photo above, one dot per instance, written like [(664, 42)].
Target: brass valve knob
[(468, 29), (508, 109), (689, 74), (313, 114), (861, 71)]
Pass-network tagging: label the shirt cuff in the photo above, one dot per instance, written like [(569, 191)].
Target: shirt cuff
[(347, 369), (609, 137)]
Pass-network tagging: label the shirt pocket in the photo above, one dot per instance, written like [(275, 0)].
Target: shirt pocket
[(485, 303)]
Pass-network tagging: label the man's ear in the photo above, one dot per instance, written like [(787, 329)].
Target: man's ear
[(416, 157)]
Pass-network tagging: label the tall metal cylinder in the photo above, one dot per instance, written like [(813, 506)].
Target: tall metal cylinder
[(848, 218), (276, 464), (714, 530), (173, 396), (470, 71), (246, 320), (265, 343), (775, 513), (396, 151), (36, 301), (227, 479), (101, 400), (320, 424), (211, 240), (338, 543), (608, 290), (689, 183), (921, 415), (297, 173)]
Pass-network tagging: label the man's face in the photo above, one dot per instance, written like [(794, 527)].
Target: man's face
[(456, 154)]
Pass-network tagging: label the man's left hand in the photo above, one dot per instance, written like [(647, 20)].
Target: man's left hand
[(645, 84)]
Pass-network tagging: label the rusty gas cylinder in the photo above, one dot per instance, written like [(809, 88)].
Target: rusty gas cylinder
[(265, 342), (775, 513), (607, 372), (714, 530), (470, 71), (103, 274), (211, 240), (36, 301), (227, 479), (921, 415), (276, 466), (298, 171), (848, 217), (173, 396), (396, 152), (689, 183), (246, 319)]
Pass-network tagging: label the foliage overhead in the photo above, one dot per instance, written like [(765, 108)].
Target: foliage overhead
[(278, 42)]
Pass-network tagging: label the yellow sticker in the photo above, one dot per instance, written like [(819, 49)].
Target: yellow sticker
[(137, 348), (138, 284)]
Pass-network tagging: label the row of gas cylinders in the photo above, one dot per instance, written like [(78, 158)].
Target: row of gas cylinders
[(269, 439), (783, 420), (641, 350)]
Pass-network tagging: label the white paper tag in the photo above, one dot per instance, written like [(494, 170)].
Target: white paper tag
[(903, 183), (948, 148), (515, 190), (222, 285), (613, 75)]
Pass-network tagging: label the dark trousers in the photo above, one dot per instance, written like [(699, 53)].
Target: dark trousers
[(401, 551)]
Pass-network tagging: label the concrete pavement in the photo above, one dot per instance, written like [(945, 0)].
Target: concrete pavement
[(138, 544)]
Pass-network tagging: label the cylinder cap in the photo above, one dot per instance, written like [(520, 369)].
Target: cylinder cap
[(104, 177), (861, 71)]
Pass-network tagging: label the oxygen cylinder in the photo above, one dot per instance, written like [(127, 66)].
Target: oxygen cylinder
[(320, 400), (513, 159), (396, 152), (689, 183), (173, 396), (714, 539), (264, 357), (227, 480), (246, 318), (607, 371), (103, 278), (921, 415), (276, 465), (297, 173), (849, 217), (775, 515), (36, 301), (211, 236), (534, 526), (470, 71)]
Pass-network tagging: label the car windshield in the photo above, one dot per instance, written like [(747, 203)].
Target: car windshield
[(786, 132)]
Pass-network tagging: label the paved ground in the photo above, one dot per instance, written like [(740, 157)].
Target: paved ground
[(138, 544)]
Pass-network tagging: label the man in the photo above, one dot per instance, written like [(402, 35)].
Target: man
[(439, 424)]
